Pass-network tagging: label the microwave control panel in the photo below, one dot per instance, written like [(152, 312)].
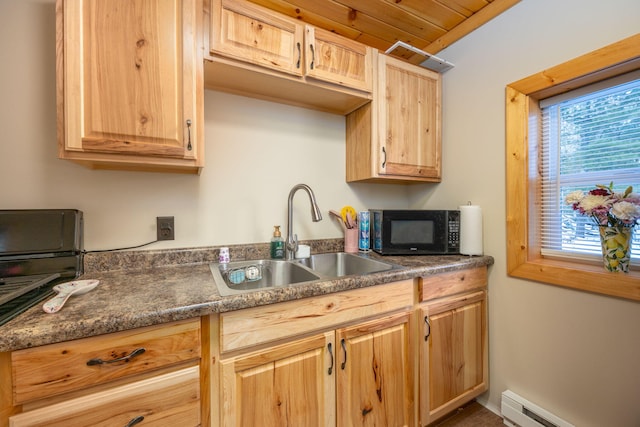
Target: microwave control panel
[(454, 231)]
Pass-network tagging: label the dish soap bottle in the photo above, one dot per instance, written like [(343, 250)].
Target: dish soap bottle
[(277, 244)]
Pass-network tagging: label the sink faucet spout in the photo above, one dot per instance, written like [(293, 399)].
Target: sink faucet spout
[(291, 245)]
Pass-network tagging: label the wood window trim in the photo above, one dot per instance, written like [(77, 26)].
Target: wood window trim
[(522, 123)]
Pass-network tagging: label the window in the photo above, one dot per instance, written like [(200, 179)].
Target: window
[(524, 131), (589, 136)]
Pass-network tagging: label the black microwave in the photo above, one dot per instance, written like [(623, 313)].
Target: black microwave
[(415, 232)]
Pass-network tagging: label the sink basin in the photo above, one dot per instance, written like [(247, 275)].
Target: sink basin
[(245, 276), (343, 264)]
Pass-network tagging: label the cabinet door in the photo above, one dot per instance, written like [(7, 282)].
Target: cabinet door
[(167, 400), (453, 354), (288, 385), (250, 33), (336, 59), (130, 74), (409, 119), (375, 375)]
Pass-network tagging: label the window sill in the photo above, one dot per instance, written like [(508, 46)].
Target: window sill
[(585, 277)]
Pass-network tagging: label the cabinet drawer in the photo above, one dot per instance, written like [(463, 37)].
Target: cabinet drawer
[(451, 283), (58, 368), (167, 400), (253, 326)]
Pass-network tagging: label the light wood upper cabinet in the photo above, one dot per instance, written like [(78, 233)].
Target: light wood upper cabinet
[(256, 52), (375, 374), (397, 137), (129, 84), (244, 31), (336, 59), (454, 345)]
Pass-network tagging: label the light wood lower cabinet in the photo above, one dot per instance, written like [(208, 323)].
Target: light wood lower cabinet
[(167, 400), (454, 344), (342, 359), (374, 373), (355, 376), (352, 358), (287, 385), (148, 376), (38, 371)]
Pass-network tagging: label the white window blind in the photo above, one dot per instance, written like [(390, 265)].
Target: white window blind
[(589, 136)]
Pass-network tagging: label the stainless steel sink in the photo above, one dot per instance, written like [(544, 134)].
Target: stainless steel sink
[(245, 276), (340, 264)]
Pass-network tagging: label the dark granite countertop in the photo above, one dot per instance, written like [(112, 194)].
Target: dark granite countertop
[(174, 285)]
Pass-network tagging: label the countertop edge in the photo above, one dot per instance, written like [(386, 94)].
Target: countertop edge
[(183, 294)]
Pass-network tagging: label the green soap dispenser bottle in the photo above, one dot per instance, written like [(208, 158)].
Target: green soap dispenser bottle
[(277, 244)]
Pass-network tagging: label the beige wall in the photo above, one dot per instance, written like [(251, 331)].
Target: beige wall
[(255, 153), (573, 353)]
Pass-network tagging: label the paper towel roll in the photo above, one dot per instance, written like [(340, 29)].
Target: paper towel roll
[(470, 230)]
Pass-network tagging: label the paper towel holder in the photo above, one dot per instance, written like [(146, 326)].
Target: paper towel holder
[(471, 239)]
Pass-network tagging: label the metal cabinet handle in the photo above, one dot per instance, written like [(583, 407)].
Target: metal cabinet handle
[(344, 350), (330, 354), (313, 56), (426, 320), (134, 353), (189, 147), (299, 56), (384, 153), (135, 421)]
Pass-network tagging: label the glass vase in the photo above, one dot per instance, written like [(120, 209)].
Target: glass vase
[(616, 247)]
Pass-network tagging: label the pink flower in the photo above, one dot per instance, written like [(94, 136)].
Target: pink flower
[(607, 207)]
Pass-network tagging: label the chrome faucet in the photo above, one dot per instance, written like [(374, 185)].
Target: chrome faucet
[(291, 245)]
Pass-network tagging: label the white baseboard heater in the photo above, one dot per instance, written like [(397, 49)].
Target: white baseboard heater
[(519, 412)]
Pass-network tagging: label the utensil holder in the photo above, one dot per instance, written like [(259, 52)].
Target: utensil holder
[(351, 240)]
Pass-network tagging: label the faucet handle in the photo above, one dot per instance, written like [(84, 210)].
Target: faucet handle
[(292, 244)]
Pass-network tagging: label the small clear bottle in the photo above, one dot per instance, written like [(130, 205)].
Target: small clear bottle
[(277, 244)]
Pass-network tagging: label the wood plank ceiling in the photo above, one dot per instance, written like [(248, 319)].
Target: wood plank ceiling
[(429, 25)]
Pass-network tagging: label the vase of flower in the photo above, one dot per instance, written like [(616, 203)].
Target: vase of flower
[(616, 247), (615, 214)]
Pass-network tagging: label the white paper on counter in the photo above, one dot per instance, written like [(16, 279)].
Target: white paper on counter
[(470, 230)]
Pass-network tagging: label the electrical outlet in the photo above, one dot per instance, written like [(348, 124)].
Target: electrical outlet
[(165, 228)]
